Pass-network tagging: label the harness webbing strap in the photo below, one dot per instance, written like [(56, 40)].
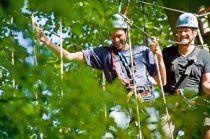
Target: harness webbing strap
[(182, 81), (176, 69), (117, 67)]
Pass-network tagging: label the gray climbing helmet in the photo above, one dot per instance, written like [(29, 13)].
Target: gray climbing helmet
[(119, 22), (187, 20)]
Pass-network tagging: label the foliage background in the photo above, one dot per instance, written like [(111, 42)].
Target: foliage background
[(34, 107)]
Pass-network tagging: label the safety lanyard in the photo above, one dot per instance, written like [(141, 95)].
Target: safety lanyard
[(123, 65)]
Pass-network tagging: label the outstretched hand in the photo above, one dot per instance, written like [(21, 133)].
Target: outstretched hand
[(39, 33)]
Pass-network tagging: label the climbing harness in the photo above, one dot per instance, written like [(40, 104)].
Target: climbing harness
[(181, 81), (119, 62)]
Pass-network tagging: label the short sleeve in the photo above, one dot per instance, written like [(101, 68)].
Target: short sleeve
[(206, 59)]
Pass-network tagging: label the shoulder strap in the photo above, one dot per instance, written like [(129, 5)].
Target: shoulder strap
[(119, 67), (181, 82)]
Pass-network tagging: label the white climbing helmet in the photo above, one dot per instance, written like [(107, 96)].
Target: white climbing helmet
[(119, 21), (187, 20)]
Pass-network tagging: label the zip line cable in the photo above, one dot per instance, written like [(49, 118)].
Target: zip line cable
[(171, 9), (130, 22), (175, 10)]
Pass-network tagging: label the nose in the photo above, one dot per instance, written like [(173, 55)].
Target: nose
[(116, 39), (183, 33)]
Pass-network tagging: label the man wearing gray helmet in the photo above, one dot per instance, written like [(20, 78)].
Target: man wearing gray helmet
[(187, 66), (115, 62)]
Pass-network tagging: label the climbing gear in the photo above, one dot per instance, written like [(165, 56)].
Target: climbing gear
[(181, 81), (203, 21), (119, 62), (162, 90), (137, 97), (126, 8), (187, 20), (163, 7), (61, 54), (119, 22), (144, 91)]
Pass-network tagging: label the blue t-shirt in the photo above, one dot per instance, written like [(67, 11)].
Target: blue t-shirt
[(144, 63)]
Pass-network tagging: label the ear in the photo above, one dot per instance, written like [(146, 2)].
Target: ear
[(195, 32)]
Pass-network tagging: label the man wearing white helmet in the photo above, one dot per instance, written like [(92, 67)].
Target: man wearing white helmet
[(187, 67), (115, 62), (184, 52)]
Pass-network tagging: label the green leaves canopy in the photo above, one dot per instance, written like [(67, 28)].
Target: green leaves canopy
[(31, 104)]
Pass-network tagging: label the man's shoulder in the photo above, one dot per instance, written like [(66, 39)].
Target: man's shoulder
[(203, 54), (203, 51), (101, 48), (140, 48), (171, 49)]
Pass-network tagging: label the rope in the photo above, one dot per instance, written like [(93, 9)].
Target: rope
[(120, 6), (159, 75), (61, 54), (201, 15), (130, 22), (34, 49), (35, 58), (134, 82), (13, 54), (171, 9), (164, 99), (176, 10), (103, 83)]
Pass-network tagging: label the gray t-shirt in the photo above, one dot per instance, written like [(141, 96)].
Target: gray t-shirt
[(144, 61), (201, 66)]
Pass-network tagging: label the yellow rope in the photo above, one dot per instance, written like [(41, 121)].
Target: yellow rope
[(61, 54)]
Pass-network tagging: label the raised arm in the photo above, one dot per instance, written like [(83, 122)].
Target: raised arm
[(78, 56), (157, 51)]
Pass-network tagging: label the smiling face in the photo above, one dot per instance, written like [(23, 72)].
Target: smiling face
[(119, 39), (186, 35)]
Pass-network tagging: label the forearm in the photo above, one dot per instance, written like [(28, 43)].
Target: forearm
[(206, 83), (162, 70), (206, 88), (67, 55)]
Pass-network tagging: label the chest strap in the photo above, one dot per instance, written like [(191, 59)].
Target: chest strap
[(182, 81)]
